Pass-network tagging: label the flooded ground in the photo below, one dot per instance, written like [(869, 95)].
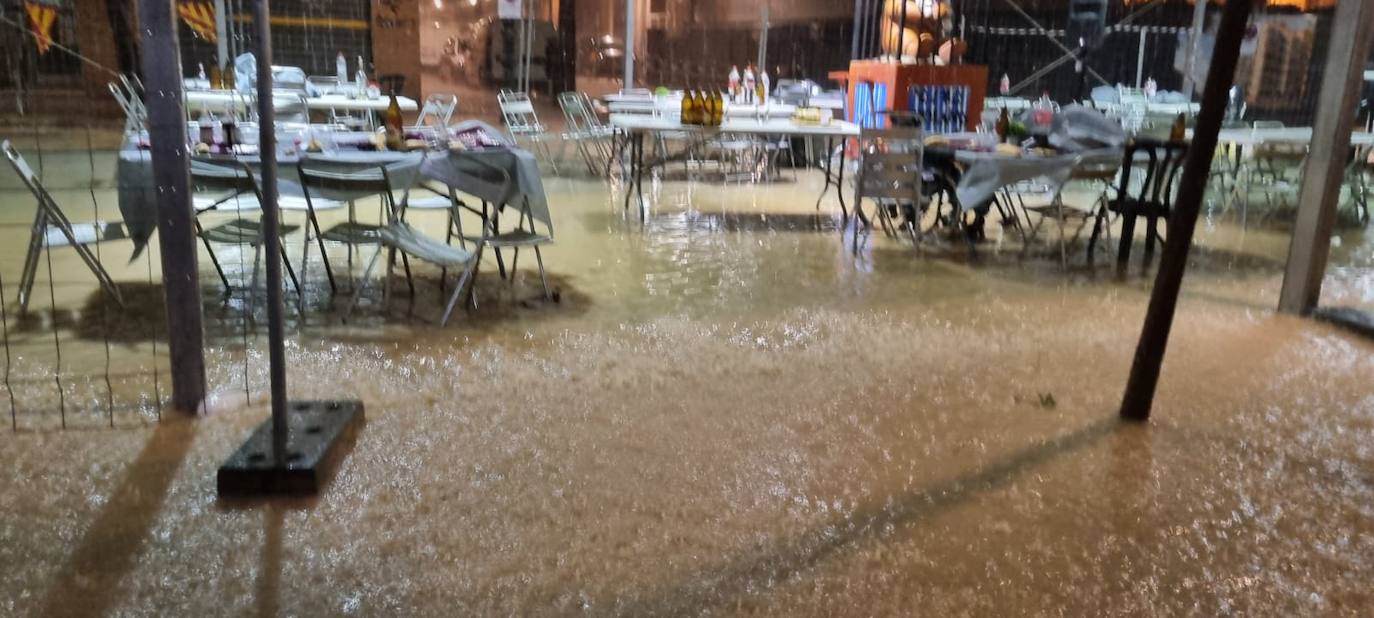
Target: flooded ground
[(730, 413)]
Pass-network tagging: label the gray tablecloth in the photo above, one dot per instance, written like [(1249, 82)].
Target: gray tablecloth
[(988, 172), (458, 169)]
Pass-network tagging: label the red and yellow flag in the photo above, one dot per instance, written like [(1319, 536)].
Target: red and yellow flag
[(200, 16), (41, 19)]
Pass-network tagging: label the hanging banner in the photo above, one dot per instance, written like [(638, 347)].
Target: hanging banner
[(42, 16), (200, 16), (509, 9)]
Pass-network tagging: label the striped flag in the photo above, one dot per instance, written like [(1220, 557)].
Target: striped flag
[(200, 16), (41, 19)]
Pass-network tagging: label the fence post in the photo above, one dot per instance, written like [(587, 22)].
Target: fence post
[(175, 218)]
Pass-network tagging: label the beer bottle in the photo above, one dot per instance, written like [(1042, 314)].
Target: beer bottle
[(1180, 129), (687, 105), (395, 133)]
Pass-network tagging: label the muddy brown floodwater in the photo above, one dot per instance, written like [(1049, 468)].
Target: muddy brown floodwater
[(731, 414)]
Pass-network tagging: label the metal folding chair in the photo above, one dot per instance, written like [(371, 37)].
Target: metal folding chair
[(135, 115), (437, 112), (517, 111), (51, 228), (890, 174), (229, 187), (585, 130), (349, 186)]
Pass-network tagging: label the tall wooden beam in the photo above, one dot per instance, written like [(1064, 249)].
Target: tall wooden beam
[(175, 218), (1342, 82), (1159, 318)]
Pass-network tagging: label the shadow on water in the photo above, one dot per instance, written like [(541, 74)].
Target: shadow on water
[(143, 317), (721, 585), (89, 583)]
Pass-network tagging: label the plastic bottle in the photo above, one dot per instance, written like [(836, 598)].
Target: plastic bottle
[(734, 81), (765, 86), (341, 69), (360, 88), (1004, 86), (718, 110)]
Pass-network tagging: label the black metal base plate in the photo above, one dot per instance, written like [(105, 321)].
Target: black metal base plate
[(1360, 322), (318, 431)]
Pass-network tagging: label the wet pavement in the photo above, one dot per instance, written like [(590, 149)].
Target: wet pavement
[(730, 413)]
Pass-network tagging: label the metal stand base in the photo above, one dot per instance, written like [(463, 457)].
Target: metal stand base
[(1354, 320), (314, 446)]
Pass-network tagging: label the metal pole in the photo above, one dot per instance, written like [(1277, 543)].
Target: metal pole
[(1195, 45), (1140, 61), (763, 39), (175, 218), (271, 242), (1324, 171), (1159, 317), (221, 34), (858, 30), (629, 44), (901, 32)]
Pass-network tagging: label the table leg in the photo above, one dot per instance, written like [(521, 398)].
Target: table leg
[(839, 183), (491, 221), (630, 178), (639, 170), (829, 147)]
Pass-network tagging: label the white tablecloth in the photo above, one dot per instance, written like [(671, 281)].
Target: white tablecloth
[(1289, 135), (343, 103), (220, 101), (773, 126)]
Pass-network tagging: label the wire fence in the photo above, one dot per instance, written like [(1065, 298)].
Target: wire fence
[(77, 355)]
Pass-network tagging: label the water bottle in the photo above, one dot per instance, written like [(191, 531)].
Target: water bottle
[(341, 69), (361, 78)]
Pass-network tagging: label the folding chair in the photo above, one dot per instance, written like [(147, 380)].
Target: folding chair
[(135, 115), (437, 112), (234, 190), (526, 233), (585, 130), (51, 228), (517, 111), (348, 186), (890, 174)]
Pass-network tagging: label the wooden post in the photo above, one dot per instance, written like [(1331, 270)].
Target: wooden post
[(1342, 81), (176, 220), (1159, 318)]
